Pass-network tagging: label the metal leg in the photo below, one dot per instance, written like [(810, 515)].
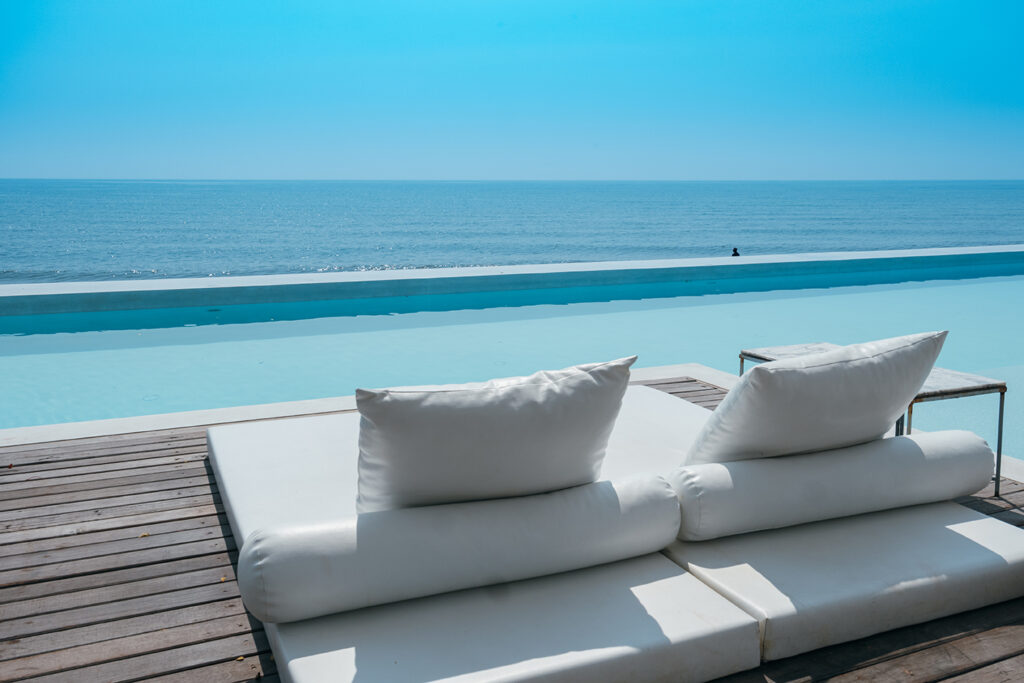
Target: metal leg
[(910, 416), (999, 442), (741, 365), (899, 426)]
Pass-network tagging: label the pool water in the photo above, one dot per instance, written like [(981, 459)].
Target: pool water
[(73, 376)]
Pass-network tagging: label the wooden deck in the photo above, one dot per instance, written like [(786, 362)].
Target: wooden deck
[(116, 564)]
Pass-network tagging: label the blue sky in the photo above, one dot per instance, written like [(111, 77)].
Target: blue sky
[(512, 90)]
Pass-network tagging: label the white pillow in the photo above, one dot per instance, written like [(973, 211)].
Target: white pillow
[(506, 437), (819, 401), (727, 498), (299, 572)]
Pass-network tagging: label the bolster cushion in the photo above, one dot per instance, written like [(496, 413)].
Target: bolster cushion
[(817, 402), (508, 437), (722, 499), (299, 572)]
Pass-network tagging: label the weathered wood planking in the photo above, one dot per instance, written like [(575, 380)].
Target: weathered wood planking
[(690, 389), (117, 563)]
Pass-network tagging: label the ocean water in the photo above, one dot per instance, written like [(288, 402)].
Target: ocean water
[(53, 230)]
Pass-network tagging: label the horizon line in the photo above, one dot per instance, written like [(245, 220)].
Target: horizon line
[(523, 180)]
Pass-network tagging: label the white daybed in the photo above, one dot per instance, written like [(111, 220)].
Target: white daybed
[(810, 550), (642, 618)]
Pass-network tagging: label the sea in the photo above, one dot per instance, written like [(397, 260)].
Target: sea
[(69, 230)]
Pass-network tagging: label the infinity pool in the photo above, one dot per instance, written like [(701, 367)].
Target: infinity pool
[(87, 375)]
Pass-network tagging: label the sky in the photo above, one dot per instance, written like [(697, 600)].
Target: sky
[(684, 90)]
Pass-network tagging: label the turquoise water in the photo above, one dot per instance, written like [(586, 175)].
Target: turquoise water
[(89, 375), (69, 230)]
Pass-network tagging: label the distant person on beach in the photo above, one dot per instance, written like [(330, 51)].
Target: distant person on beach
[(735, 251)]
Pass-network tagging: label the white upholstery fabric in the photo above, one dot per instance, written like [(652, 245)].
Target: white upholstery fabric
[(722, 499), (818, 402), (829, 582), (507, 437), (652, 433), (640, 619), (294, 471), (287, 573), (257, 472)]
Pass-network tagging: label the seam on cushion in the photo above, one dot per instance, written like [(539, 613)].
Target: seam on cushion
[(575, 374), (848, 360)]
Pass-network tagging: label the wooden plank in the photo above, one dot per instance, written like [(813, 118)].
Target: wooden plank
[(168, 661), (105, 492), (114, 577), (988, 506), (47, 545), (1005, 486), (666, 380), (675, 384), (108, 611), (129, 646), (700, 392), (260, 668), (81, 527), (100, 512), (107, 440), (99, 476), (1014, 498), (956, 657), (710, 398), (141, 541), (51, 474), (1006, 671), (689, 389), (121, 591), (90, 565), (892, 646), (105, 459), (203, 488), (710, 405), (161, 474), (119, 628), (59, 455)]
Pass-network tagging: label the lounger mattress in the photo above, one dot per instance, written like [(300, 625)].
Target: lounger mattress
[(640, 619), (829, 582)]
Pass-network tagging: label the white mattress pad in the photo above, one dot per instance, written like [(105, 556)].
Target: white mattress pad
[(639, 619), (829, 582)]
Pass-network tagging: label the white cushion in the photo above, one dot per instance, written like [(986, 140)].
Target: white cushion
[(287, 573), (640, 619), (251, 459), (815, 585), (722, 499), (297, 470), (818, 402), (507, 437), (652, 433)]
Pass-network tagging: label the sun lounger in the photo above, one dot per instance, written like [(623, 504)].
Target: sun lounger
[(835, 544), (641, 617), (808, 550), (833, 570)]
